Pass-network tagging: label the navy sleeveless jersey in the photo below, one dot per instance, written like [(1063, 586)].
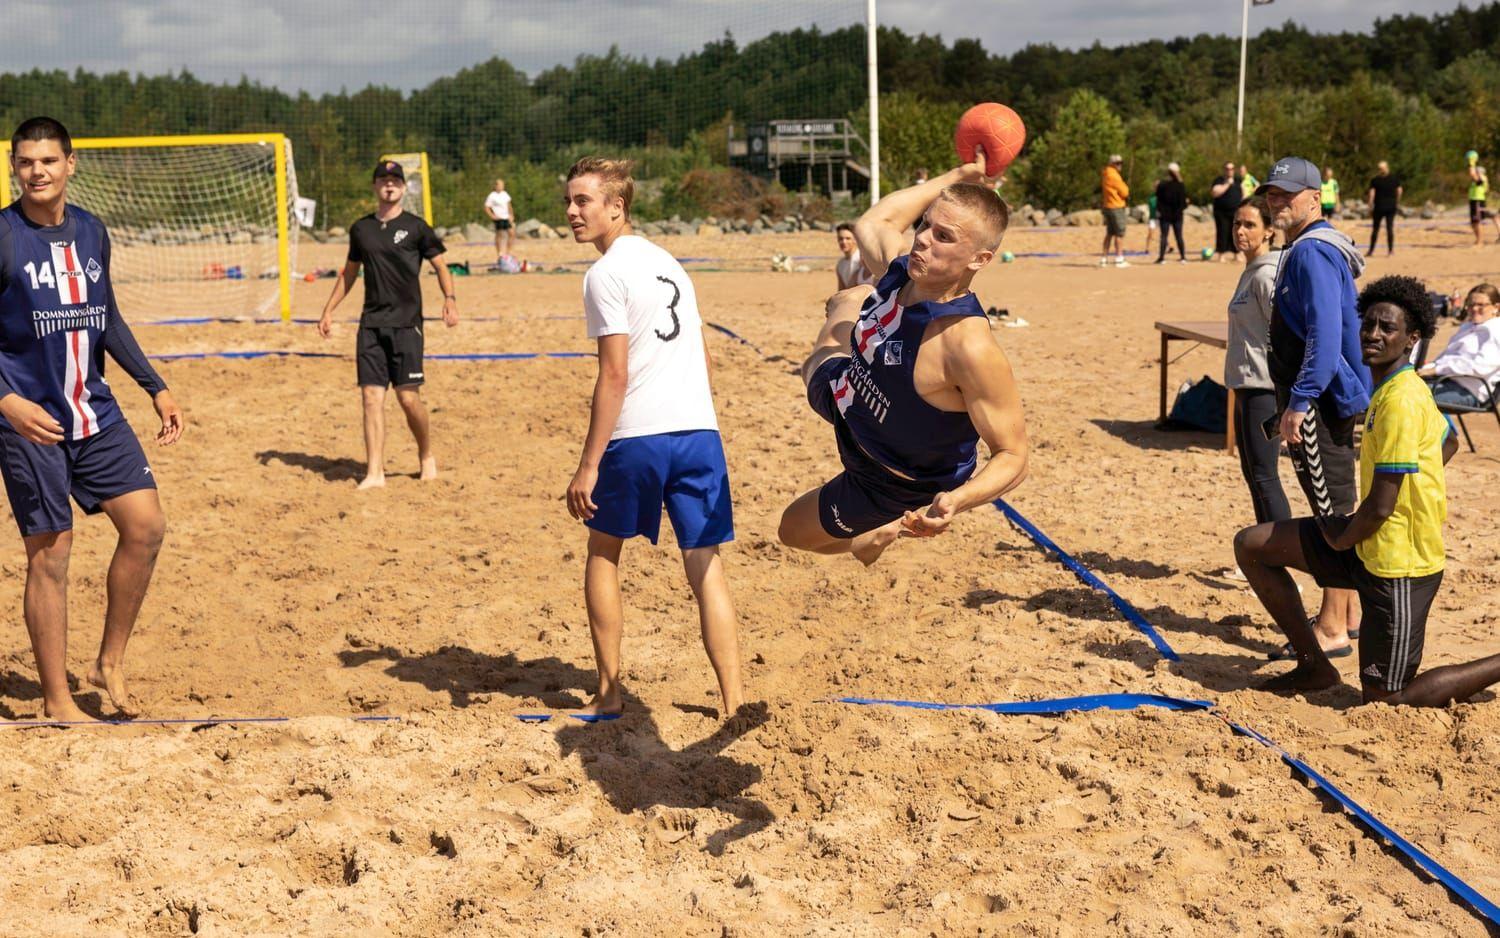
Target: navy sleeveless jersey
[(55, 303), (878, 397)]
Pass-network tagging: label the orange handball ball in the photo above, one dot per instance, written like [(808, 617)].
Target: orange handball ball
[(994, 127)]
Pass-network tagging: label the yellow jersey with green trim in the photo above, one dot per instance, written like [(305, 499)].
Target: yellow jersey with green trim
[(1330, 193), (1404, 433)]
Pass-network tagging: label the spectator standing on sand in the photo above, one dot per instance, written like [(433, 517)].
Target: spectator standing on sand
[(1171, 202), (497, 205), (1113, 192), (1329, 194), (1226, 197), (1384, 199)]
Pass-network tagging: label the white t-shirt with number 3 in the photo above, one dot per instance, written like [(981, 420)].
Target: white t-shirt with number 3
[(638, 289)]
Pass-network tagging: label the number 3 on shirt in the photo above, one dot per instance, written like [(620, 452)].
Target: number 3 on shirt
[(671, 308)]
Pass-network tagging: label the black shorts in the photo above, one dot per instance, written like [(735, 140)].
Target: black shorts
[(865, 495), (1393, 612), (502, 224), (1477, 211), (93, 470), (1324, 461), (389, 356)]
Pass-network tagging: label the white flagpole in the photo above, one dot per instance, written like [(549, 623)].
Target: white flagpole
[(874, 84), (1239, 125)]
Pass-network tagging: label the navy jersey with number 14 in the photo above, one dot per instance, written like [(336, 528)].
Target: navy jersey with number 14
[(57, 318)]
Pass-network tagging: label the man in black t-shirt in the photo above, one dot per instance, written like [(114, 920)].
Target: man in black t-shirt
[(1384, 198), (1227, 196), (391, 245)]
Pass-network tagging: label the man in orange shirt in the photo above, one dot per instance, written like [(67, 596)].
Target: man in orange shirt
[(1115, 193)]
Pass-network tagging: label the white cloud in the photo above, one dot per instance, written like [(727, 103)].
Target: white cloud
[(329, 44)]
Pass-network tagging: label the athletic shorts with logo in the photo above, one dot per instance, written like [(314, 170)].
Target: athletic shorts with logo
[(389, 356), (684, 470), (865, 495), (1393, 612), (39, 479)]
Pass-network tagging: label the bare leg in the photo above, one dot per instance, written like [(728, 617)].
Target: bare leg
[(601, 594), (705, 573), (46, 607), (373, 399), (840, 315), (1264, 552), (410, 399), (802, 529), (504, 239), (138, 518), (499, 244), (1338, 613), (1441, 686)]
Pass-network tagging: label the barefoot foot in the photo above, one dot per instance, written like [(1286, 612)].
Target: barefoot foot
[(65, 711), (372, 482), (868, 547), (600, 708), (111, 680), (429, 469)]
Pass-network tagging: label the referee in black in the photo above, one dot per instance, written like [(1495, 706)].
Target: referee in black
[(391, 244)]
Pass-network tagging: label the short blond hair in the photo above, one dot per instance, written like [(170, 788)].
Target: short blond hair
[(614, 177), (985, 206)]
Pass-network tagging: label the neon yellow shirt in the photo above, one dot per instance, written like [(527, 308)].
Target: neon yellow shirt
[(1404, 433), (1248, 185), (1479, 191), (1331, 192)]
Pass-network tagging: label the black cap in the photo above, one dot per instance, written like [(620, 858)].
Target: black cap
[(389, 168)]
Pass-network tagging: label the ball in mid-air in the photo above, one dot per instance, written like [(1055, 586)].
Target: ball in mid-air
[(994, 127)]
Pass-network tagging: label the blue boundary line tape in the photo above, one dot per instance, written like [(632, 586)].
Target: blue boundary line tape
[(580, 717), (735, 336), (1131, 614), (176, 721), (276, 321), (1433, 868)]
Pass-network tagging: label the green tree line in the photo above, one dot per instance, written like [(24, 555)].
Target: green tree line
[(1414, 90)]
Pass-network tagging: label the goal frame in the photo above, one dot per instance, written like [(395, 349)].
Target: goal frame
[(420, 158), (278, 143)]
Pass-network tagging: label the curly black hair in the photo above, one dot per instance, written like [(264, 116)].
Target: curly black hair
[(1410, 294)]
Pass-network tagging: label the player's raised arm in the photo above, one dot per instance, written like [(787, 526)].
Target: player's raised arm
[(881, 231)]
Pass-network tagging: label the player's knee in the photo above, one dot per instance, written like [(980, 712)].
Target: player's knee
[(51, 560), (1245, 541)]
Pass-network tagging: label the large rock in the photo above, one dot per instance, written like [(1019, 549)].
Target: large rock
[(709, 231), (474, 231), (562, 231), (337, 232), (1196, 213), (1085, 218), (1053, 216), (528, 228), (1037, 218), (822, 226), (1140, 213)]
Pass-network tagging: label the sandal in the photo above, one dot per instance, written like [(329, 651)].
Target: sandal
[(1312, 623), (1288, 653)]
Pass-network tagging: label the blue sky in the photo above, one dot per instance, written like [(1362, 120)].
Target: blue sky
[(323, 45)]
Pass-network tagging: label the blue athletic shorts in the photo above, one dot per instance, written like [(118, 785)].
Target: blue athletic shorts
[(865, 495), (39, 479), (684, 470)]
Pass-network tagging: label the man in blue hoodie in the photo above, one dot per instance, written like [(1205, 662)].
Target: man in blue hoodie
[(1322, 384)]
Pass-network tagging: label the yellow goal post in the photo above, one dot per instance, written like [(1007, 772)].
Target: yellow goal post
[(200, 224)]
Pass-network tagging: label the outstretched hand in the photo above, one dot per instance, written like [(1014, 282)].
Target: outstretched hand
[(934, 519)]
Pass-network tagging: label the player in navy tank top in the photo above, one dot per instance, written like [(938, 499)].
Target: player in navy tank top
[(62, 432), (911, 377)]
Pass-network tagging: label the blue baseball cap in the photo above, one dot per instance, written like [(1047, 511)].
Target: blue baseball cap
[(1292, 174)]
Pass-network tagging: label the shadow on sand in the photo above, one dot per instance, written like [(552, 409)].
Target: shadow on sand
[(627, 758)]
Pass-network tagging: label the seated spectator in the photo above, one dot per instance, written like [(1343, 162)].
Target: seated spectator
[(1468, 370)]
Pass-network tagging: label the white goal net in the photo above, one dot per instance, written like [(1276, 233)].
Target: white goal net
[(199, 226)]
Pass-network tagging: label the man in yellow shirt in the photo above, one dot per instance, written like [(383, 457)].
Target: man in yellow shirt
[(1329, 193), (1391, 548), (1114, 192)]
